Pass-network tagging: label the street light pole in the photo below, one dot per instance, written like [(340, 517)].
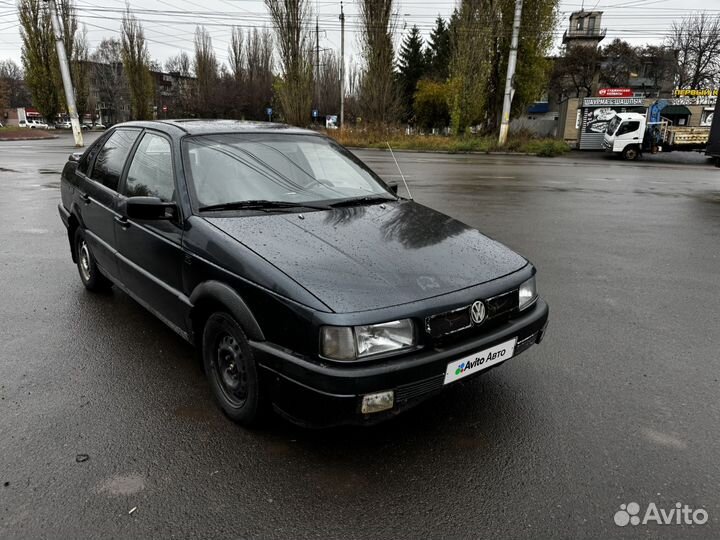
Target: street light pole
[(342, 67), (509, 80), (65, 72)]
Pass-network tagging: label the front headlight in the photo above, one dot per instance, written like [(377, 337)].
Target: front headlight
[(527, 293), (350, 343)]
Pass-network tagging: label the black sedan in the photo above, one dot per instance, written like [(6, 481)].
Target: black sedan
[(306, 282)]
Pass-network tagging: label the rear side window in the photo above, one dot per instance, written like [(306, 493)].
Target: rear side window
[(111, 158), (87, 157), (151, 171)]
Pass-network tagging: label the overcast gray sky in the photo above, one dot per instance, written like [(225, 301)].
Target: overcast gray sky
[(169, 25)]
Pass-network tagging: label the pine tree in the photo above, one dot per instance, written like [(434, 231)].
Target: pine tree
[(411, 68), (437, 54)]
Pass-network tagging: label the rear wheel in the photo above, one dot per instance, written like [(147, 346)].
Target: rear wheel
[(630, 153), (87, 267), (231, 370)]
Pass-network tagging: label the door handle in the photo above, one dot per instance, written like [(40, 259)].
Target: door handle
[(636, 138), (123, 221), (85, 197)]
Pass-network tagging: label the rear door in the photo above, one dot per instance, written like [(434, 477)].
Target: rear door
[(97, 190), (150, 251)]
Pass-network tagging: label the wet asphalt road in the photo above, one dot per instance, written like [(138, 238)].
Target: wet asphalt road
[(618, 404)]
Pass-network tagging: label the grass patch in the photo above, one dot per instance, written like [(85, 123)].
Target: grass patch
[(12, 133), (378, 138)]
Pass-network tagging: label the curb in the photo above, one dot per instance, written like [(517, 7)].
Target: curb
[(447, 152), (31, 138)]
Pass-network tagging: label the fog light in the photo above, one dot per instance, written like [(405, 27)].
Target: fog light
[(381, 401)]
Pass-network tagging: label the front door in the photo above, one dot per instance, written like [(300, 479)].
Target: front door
[(150, 251), (98, 196)]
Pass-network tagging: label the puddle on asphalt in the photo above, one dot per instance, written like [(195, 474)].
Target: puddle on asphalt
[(122, 484), (3, 169)]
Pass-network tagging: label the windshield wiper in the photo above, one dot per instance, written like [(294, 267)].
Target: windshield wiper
[(259, 204), (360, 200)]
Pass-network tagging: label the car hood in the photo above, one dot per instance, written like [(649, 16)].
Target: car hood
[(374, 256)]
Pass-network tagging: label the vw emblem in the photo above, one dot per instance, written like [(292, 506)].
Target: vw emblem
[(477, 312)]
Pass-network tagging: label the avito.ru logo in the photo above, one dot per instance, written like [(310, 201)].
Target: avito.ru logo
[(680, 515), (479, 361)]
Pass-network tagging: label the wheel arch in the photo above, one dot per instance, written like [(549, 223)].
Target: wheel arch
[(211, 296), (73, 224)]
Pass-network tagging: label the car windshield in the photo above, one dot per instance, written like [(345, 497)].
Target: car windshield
[(613, 125), (232, 168)]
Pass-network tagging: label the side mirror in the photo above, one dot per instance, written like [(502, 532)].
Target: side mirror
[(149, 208), (393, 188), (75, 156)]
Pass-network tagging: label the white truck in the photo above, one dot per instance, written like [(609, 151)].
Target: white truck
[(630, 134)]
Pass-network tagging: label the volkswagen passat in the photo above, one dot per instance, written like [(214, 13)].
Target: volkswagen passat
[(305, 281)]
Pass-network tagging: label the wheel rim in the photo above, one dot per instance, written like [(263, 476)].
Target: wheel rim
[(230, 369), (84, 260), (631, 154)]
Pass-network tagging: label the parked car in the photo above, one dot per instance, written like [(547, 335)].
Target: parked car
[(63, 125), (303, 278), (32, 124)]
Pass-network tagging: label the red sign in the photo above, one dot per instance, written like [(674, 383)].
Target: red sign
[(164, 108), (615, 92)]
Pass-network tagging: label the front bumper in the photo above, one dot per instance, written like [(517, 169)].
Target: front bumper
[(322, 395)]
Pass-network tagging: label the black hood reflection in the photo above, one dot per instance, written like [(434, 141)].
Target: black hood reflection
[(344, 215), (415, 227)]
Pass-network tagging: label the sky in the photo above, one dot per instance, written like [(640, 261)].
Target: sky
[(170, 24)]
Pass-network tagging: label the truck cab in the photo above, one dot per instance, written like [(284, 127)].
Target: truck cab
[(624, 135)]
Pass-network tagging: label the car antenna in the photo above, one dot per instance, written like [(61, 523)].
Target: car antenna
[(399, 170)]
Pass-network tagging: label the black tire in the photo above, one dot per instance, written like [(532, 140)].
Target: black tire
[(90, 274), (630, 153), (231, 370)]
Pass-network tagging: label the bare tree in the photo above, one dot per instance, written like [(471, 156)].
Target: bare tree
[(329, 84), (205, 66), (80, 66), (575, 72), (179, 64), (136, 63), (696, 42), (110, 81), (258, 70), (294, 89), (236, 54), (379, 96)]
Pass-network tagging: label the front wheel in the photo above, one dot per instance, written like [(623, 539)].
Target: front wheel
[(630, 153), (231, 370)]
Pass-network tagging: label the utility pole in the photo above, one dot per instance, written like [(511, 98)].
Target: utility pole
[(317, 63), (342, 67), (509, 80), (65, 72)]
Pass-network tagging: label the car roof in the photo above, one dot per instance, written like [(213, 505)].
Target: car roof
[(205, 127)]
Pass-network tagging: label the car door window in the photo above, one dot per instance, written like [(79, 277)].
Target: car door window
[(151, 171), (111, 158), (628, 127)]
